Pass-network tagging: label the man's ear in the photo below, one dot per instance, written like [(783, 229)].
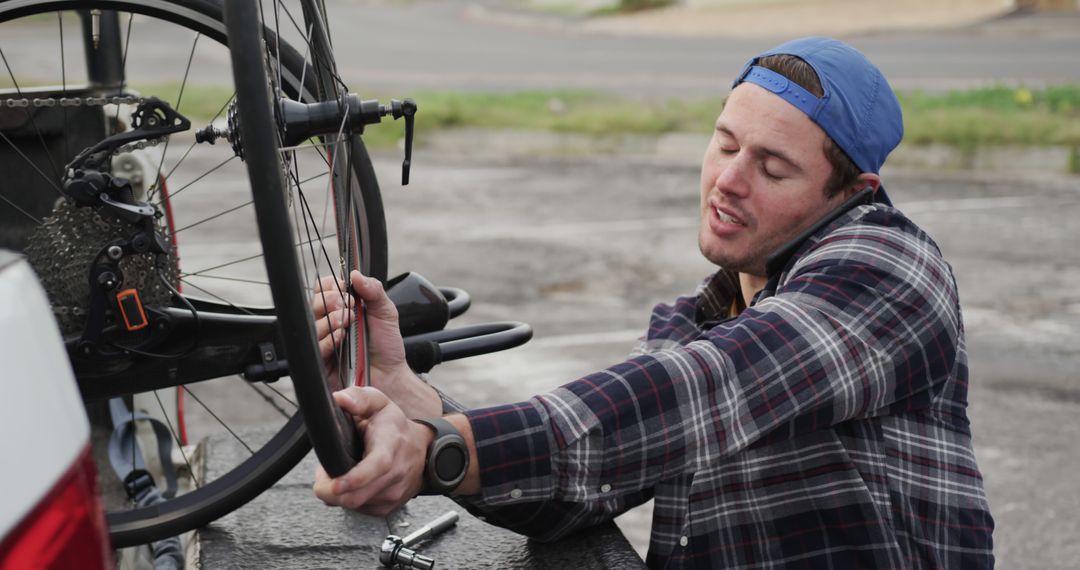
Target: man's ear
[(862, 181)]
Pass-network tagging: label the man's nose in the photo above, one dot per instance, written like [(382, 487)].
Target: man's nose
[(734, 176)]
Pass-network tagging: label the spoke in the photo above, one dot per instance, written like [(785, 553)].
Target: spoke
[(29, 115), (215, 416), (63, 79), (21, 211), (340, 355), (326, 66), (249, 258), (277, 46), (326, 61), (179, 98), (297, 215), (172, 195), (280, 395), (31, 163), (323, 156), (216, 115), (327, 203), (218, 297), (307, 144), (292, 19), (318, 237), (215, 216), (269, 400), (313, 177), (123, 63), (235, 279), (318, 277), (307, 52), (343, 356), (176, 439)]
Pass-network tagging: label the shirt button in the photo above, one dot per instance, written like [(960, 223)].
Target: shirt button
[(515, 494), (605, 488), (683, 541)]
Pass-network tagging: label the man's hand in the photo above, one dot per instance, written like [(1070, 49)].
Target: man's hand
[(390, 372), (387, 351), (395, 452)]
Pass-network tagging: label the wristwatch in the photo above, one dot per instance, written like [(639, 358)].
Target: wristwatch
[(447, 458)]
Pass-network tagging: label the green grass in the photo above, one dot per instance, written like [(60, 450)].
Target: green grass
[(969, 118), (994, 116), (630, 6), (199, 103)]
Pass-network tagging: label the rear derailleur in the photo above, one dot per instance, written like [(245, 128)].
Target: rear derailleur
[(88, 183)]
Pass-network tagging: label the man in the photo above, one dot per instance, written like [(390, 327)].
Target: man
[(805, 408)]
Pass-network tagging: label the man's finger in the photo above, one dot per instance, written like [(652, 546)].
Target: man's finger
[(327, 283), (338, 319), (361, 402), (330, 343), (323, 488), (323, 302), (365, 479), (377, 303)]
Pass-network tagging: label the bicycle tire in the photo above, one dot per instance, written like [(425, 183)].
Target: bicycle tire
[(331, 431), (291, 443)]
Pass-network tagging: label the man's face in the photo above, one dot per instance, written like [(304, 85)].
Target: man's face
[(762, 180)]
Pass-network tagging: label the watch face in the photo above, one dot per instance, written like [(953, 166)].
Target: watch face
[(450, 463)]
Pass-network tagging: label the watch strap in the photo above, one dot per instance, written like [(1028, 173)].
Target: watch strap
[(447, 457)]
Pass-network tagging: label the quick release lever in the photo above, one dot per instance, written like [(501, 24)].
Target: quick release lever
[(407, 109)]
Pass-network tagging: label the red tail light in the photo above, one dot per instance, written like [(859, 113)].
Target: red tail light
[(66, 530)]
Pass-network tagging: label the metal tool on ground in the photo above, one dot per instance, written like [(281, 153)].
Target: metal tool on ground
[(397, 551)]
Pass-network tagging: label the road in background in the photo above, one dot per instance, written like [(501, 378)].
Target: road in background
[(447, 44), (403, 47)]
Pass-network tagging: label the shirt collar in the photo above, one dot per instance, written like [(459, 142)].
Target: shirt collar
[(719, 299)]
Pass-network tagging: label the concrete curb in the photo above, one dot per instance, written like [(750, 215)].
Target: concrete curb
[(286, 527)]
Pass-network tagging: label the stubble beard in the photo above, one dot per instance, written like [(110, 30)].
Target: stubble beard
[(752, 262)]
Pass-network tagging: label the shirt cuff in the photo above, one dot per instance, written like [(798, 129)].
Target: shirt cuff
[(513, 453)]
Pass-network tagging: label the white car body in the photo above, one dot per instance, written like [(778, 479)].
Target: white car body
[(49, 507)]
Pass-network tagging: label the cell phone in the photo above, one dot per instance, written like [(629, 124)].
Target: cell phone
[(779, 258)]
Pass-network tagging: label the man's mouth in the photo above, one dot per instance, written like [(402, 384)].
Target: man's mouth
[(728, 218)]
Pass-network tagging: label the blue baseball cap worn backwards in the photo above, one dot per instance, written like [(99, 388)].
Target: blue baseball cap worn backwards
[(859, 110)]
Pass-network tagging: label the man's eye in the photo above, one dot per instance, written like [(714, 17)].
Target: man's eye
[(728, 150), (765, 172)]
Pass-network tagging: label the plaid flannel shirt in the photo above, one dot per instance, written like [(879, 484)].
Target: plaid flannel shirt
[(823, 427)]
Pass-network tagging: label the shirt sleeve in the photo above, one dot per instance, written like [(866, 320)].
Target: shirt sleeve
[(865, 322)]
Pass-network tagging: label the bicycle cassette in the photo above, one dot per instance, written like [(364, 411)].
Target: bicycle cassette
[(62, 249)]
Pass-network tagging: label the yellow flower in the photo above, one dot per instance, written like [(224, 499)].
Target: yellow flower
[(1023, 97)]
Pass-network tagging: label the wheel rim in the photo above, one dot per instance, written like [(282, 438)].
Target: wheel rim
[(289, 445)]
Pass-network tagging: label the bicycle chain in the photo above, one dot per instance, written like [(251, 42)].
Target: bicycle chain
[(38, 102), (49, 102)]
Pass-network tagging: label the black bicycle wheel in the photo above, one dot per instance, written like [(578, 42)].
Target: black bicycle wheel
[(355, 238), (331, 432)]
